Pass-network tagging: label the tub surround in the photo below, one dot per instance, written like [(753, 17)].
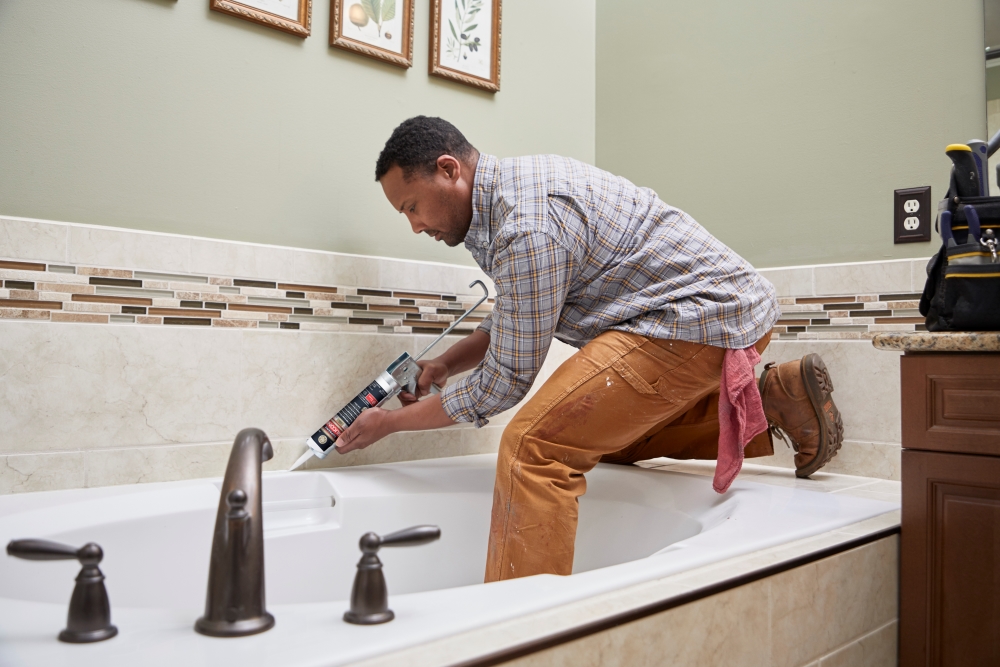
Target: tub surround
[(63, 272), (116, 402), (943, 341), (103, 295), (92, 396)]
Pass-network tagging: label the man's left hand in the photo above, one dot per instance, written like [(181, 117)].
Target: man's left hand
[(371, 426)]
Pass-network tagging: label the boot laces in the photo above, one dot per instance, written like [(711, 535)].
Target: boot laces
[(779, 433)]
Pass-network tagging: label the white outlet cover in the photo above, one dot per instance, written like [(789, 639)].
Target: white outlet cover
[(911, 223), (911, 206)]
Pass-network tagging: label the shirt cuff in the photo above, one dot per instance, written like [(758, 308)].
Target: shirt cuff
[(458, 403)]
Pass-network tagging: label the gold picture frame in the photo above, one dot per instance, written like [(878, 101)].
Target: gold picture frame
[(458, 31), (368, 26), (271, 13)]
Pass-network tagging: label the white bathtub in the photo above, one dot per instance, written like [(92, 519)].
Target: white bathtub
[(635, 525)]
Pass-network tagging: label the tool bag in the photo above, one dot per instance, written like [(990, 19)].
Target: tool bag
[(962, 292)]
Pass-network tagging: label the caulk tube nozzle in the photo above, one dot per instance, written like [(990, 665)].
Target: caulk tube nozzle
[(302, 459)]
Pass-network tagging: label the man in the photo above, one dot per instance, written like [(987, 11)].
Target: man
[(652, 300)]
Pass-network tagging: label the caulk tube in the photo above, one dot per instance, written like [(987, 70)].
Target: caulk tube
[(378, 392)]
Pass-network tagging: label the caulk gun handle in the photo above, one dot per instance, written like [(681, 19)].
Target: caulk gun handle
[(435, 389)]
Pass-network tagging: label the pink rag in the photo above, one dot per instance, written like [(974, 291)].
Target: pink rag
[(741, 414)]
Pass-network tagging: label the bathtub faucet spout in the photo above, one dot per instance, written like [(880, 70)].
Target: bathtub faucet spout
[(234, 605)]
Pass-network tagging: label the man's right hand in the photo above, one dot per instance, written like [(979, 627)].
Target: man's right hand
[(432, 372)]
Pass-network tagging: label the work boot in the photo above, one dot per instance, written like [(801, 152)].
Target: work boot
[(797, 403)]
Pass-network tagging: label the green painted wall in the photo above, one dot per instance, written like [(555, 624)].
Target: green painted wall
[(784, 126), (162, 115)]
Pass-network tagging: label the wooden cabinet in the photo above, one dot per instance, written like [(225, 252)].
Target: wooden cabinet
[(950, 543)]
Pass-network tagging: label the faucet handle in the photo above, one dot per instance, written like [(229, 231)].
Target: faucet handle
[(89, 618), (369, 597), (411, 537), (41, 550)]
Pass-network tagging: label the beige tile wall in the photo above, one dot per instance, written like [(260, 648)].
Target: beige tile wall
[(840, 610), (85, 405), (42, 240), (896, 275)]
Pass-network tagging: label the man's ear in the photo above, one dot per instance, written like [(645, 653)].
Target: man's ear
[(451, 167)]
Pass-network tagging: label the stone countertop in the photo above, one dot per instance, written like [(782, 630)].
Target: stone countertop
[(945, 341)]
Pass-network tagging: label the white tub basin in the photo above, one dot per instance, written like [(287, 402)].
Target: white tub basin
[(635, 525)]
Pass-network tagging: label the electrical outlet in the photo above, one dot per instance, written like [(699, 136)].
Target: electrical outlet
[(912, 215)]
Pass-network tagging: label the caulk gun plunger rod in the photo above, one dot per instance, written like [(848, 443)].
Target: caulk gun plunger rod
[(486, 295)]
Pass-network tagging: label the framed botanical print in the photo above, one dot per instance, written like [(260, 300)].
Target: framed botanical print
[(465, 42), (294, 16), (381, 29)]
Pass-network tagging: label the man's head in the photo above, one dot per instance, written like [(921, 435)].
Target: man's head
[(426, 170)]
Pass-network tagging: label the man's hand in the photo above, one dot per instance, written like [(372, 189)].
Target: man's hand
[(432, 371), (375, 423), (371, 426)]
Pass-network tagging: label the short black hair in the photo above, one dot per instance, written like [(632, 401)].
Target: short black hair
[(417, 144)]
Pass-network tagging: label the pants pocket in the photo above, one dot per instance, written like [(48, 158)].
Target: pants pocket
[(633, 378)]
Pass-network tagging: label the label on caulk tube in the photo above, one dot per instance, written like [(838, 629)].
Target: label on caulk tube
[(327, 435)]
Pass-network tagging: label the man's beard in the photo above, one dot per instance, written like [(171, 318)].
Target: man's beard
[(456, 230)]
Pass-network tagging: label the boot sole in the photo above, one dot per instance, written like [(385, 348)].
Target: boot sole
[(819, 388)]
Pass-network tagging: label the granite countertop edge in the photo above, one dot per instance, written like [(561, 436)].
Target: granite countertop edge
[(944, 341)]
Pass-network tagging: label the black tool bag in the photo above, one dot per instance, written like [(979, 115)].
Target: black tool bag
[(963, 279)]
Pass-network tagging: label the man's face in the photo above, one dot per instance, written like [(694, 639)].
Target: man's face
[(438, 204)]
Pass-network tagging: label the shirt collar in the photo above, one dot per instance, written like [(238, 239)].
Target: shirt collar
[(482, 202)]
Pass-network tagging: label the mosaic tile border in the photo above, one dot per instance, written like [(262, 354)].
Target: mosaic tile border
[(99, 295), (848, 317)]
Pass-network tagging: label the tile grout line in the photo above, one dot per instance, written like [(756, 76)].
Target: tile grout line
[(855, 640)]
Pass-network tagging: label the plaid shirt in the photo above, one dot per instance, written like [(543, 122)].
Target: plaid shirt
[(575, 251)]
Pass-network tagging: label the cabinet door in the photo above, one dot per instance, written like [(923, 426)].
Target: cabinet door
[(950, 560), (951, 402)]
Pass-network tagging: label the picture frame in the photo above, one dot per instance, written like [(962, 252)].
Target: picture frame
[(291, 16), (374, 28), (458, 32)]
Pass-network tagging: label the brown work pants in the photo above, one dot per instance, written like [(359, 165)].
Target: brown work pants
[(622, 398)]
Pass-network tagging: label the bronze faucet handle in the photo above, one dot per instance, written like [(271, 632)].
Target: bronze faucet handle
[(89, 618), (411, 537), (44, 550), (369, 597)]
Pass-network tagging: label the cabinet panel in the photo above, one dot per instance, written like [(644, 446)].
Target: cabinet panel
[(951, 402), (950, 560)]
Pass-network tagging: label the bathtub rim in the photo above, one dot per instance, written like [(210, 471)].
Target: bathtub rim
[(539, 631)]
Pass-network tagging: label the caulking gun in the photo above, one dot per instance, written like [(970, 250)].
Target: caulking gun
[(401, 375)]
